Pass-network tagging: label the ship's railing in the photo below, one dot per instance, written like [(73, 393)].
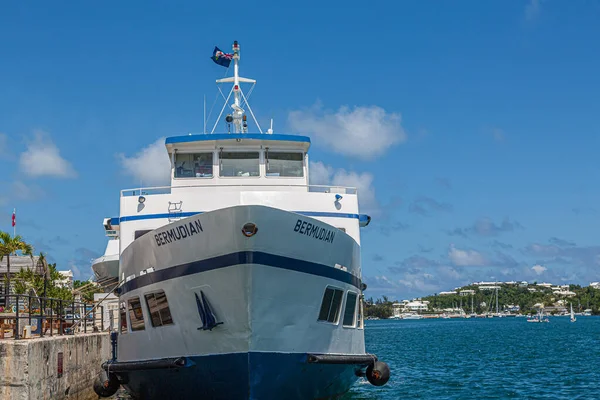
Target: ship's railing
[(23, 317), (148, 191)]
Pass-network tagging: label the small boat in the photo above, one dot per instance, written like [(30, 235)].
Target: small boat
[(573, 319), (538, 318), (411, 316)]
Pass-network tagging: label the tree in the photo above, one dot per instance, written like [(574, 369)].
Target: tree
[(28, 279), (10, 245)]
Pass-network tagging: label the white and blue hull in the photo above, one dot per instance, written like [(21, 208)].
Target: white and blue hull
[(266, 290)]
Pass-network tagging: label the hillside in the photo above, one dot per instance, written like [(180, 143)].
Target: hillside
[(523, 297)]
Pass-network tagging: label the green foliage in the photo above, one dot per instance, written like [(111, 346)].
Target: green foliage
[(11, 245), (87, 290), (586, 297), (27, 279), (381, 308)]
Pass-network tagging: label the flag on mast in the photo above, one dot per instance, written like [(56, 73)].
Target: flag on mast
[(14, 218), (221, 58)]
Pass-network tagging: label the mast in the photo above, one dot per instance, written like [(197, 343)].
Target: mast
[(238, 112), (238, 115), (496, 299)]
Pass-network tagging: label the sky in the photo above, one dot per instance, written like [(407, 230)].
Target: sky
[(470, 128)]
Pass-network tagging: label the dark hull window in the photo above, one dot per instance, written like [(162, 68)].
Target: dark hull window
[(139, 234), (158, 307), (135, 314), (123, 318), (330, 306), (350, 309)]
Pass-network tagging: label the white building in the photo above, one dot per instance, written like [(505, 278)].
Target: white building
[(467, 292), (108, 307), (446, 293), (595, 285), (67, 279), (416, 306)]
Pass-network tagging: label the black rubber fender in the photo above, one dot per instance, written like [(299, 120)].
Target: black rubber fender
[(378, 373), (106, 384)]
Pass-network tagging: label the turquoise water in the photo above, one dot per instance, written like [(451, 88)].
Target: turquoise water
[(478, 358), (494, 358)]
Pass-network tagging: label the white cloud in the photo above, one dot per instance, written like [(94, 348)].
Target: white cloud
[(364, 132), (465, 258), (150, 166), (321, 174), (538, 269), (42, 158)]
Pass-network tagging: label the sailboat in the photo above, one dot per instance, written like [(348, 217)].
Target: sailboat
[(573, 319), (539, 317)]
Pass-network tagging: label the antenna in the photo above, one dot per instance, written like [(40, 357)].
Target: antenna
[(270, 130), (204, 130)]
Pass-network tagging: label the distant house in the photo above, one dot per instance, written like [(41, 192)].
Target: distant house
[(467, 292), (493, 287), (595, 285), (446, 293)]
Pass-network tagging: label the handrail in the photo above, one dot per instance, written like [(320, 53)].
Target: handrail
[(58, 313), (145, 191)]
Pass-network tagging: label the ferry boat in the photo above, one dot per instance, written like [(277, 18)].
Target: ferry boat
[(239, 280)]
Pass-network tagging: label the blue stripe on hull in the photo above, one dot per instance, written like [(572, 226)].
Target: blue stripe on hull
[(244, 376), (240, 258)]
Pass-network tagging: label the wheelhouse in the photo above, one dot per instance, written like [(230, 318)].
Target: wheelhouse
[(238, 159)]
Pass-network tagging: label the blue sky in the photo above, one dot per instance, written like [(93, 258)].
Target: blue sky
[(470, 127)]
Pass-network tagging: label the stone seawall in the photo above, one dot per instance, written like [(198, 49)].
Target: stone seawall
[(52, 368)]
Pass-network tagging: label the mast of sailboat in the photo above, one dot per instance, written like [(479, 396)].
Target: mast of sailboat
[(496, 299)]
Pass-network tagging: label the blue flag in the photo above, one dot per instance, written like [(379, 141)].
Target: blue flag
[(221, 58)]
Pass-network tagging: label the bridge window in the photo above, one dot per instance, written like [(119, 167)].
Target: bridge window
[(136, 317), (284, 164), (349, 310), (194, 165), (330, 307), (160, 314), (239, 163)]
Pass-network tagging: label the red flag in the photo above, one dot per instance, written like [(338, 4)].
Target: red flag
[(14, 218)]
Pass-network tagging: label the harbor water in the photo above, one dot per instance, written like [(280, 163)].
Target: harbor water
[(479, 358)]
